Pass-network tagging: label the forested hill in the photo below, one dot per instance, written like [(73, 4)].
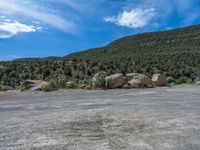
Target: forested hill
[(175, 53), (178, 40)]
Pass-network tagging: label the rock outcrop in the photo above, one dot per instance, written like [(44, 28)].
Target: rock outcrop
[(159, 80), (33, 85), (138, 80), (115, 81), (198, 83), (130, 76)]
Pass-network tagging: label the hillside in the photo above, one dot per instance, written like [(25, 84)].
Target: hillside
[(182, 39), (175, 53)]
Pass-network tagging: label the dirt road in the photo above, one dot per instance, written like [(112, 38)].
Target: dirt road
[(146, 119)]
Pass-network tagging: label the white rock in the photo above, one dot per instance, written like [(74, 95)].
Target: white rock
[(115, 81), (138, 80)]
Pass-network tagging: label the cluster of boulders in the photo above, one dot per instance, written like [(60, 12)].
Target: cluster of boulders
[(131, 80), (101, 80)]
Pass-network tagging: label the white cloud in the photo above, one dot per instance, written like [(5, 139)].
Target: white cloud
[(36, 22), (9, 57), (7, 20), (135, 18), (3, 17), (38, 11), (39, 28), (9, 29)]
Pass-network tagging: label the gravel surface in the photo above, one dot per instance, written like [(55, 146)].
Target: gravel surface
[(146, 119)]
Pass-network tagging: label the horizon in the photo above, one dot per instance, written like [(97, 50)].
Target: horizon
[(60, 25)]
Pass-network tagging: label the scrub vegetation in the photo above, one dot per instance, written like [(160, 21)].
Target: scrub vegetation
[(174, 53)]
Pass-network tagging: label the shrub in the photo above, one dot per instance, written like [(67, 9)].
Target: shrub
[(183, 80), (61, 83), (171, 80), (50, 86), (4, 88), (89, 85), (189, 81), (71, 85), (99, 83), (25, 86), (98, 80)]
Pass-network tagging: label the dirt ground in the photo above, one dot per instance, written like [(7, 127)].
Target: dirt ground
[(144, 119)]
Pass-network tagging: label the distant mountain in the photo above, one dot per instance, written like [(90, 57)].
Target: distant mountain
[(46, 58), (175, 53)]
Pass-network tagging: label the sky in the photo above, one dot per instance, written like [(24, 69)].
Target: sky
[(41, 28)]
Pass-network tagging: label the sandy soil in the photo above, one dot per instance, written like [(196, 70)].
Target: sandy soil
[(148, 119)]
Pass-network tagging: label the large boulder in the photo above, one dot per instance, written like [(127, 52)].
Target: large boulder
[(159, 80), (130, 76), (33, 85), (98, 81), (114, 81), (38, 87), (138, 80), (135, 83), (198, 83)]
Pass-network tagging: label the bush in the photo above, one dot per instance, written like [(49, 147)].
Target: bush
[(61, 83), (4, 88), (71, 85), (89, 85), (99, 83), (172, 84), (98, 80), (50, 86), (189, 81), (183, 80), (171, 80), (25, 86)]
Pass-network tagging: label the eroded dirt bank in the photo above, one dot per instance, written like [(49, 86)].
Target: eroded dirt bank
[(152, 119)]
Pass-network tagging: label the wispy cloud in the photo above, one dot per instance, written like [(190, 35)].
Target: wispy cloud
[(9, 28), (77, 16), (36, 10), (186, 11), (9, 57), (135, 18)]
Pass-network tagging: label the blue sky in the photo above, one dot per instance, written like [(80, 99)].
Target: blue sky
[(40, 28)]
